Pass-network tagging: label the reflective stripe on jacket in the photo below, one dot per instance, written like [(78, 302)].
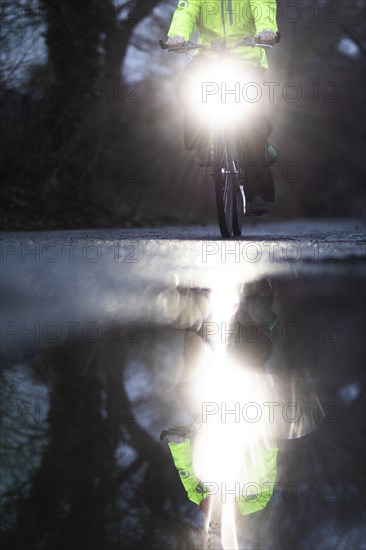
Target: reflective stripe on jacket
[(226, 19)]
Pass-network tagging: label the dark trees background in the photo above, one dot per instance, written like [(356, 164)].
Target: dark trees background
[(67, 114), (91, 133)]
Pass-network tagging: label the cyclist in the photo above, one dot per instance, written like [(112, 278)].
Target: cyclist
[(228, 21)]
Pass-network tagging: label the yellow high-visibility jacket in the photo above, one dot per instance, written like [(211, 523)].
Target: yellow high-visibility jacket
[(263, 482), (226, 19)]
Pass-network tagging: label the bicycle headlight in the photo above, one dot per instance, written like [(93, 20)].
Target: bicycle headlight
[(221, 94)]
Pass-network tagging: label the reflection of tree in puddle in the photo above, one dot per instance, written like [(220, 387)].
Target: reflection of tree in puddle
[(97, 475)]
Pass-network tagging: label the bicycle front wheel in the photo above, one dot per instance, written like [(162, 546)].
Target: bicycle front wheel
[(225, 183), (238, 213)]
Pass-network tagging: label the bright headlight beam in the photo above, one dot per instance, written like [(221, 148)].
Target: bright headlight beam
[(220, 94)]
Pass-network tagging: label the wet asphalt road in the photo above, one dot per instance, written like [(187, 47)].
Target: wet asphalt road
[(351, 230), (192, 253), (62, 287), (84, 276)]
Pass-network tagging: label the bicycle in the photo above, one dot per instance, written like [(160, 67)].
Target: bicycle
[(229, 181)]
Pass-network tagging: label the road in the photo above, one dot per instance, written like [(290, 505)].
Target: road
[(84, 275), (353, 230), (142, 288)]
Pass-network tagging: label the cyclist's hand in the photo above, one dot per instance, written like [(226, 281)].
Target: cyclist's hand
[(175, 41), (266, 37)]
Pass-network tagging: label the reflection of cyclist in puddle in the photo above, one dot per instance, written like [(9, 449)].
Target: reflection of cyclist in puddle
[(254, 314), (248, 346)]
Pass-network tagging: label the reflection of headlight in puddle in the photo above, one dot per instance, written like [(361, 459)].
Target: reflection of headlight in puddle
[(231, 421)]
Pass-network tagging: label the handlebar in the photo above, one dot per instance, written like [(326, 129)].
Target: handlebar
[(188, 45)]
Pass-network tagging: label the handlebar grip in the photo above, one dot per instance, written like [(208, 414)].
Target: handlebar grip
[(163, 45)]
